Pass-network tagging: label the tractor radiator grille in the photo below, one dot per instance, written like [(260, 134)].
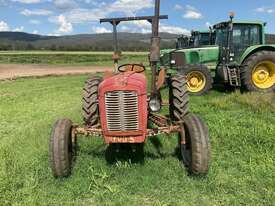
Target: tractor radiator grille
[(122, 111)]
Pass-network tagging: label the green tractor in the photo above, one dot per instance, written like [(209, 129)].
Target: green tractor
[(197, 39), (239, 58)]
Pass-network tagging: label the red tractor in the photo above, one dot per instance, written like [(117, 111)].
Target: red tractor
[(118, 108)]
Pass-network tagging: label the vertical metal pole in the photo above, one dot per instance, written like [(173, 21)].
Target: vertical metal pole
[(155, 48), (115, 42)]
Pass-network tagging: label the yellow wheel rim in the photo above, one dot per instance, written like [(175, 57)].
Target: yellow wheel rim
[(263, 75), (196, 81)]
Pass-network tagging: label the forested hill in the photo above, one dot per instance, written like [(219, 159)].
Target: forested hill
[(86, 42), (83, 42)]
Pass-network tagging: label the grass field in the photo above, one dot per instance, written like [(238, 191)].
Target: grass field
[(69, 58), (242, 129)]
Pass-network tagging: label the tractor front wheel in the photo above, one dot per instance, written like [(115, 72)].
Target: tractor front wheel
[(258, 72), (195, 145), (61, 148), (199, 79)]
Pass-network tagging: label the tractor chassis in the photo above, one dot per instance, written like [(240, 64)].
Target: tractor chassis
[(163, 123)]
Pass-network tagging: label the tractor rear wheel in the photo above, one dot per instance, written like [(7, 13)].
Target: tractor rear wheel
[(258, 72), (90, 101), (61, 148), (178, 97), (198, 77), (195, 145)]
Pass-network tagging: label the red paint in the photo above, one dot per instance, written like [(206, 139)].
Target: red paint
[(128, 81)]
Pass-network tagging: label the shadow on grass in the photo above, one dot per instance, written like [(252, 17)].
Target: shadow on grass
[(133, 153), (222, 88)]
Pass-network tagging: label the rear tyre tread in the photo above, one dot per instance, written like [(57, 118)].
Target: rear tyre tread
[(178, 97), (90, 109)]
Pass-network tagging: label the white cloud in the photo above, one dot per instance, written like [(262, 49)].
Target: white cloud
[(101, 30), (53, 34), (4, 26), (34, 21), (27, 1), (129, 6), (265, 10), (19, 29), (37, 12), (35, 32), (65, 26), (102, 10), (65, 4), (192, 13), (173, 29), (146, 27), (178, 7)]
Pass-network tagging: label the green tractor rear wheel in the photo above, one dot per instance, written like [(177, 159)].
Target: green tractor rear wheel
[(258, 72), (198, 77)]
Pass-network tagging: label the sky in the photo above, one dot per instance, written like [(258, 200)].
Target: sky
[(67, 17)]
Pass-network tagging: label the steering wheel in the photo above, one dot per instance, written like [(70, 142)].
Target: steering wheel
[(138, 68)]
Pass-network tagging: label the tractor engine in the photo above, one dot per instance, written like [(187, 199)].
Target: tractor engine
[(123, 108)]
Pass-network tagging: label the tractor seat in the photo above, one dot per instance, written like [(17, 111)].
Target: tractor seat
[(137, 68)]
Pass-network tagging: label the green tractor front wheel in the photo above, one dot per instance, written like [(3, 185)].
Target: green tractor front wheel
[(198, 77)]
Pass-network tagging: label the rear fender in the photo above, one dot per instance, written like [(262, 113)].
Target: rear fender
[(253, 49)]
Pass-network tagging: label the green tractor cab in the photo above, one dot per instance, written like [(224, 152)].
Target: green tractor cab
[(239, 58), (197, 39)]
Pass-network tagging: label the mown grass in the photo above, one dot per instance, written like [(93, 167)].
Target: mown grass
[(242, 172), (69, 58)]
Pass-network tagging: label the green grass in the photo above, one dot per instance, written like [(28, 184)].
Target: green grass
[(243, 153), (69, 58)]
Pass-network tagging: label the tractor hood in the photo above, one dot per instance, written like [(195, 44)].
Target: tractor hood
[(123, 108), (124, 80), (201, 55)]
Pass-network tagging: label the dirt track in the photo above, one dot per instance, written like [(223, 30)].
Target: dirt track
[(13, 71)]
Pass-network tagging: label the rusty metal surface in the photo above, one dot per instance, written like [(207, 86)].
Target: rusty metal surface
[(97, 132), (149, 18), (161, 78), (159, 119), (163, 130)]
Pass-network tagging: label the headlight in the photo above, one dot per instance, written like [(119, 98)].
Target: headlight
[(154, 105), (173, 61)]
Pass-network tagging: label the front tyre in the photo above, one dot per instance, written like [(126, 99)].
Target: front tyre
[(199, 79), (195, 145), (258, 72), (61, 148)]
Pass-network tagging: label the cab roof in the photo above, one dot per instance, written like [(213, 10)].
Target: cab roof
[(256, 22)]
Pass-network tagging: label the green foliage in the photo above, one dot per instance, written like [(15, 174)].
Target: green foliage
[(242, 136), (70, 58)]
